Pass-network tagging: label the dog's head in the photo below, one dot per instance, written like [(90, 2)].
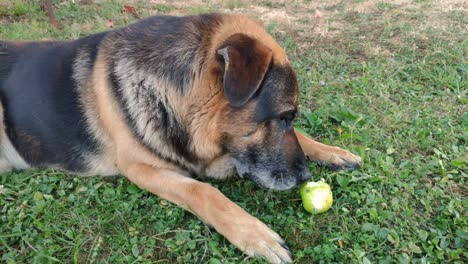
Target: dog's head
[(257, 123)]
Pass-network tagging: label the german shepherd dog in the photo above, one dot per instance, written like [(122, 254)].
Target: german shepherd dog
[(159, 101)]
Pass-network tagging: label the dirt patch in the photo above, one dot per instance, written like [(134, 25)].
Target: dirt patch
[(306, 20)]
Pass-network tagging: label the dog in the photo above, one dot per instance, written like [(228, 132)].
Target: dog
[(159, 101)]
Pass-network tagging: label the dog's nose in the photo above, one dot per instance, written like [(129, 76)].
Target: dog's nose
[(305, 176)]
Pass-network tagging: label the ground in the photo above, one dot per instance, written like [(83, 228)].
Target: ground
[(385, 79)]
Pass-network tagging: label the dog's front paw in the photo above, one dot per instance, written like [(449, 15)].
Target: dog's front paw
[(254, 238), (343, 159)]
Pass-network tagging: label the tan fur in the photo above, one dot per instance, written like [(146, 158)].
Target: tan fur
[(204, 109), (166, 90), (122, 147), (169, 182), (207, 98), (324, 153), (220, 168), (98, 163), (206, 104), (9, 157), (209, 204), (205, 113)]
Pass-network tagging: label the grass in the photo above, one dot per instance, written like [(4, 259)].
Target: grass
[(386, 80)]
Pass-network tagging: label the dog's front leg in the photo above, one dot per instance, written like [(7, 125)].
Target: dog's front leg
[(209, 204), (334, 157)]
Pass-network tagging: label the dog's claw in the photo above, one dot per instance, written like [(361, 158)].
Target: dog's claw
[(342, 159), (344, 165), (257, 239), (283, 244)]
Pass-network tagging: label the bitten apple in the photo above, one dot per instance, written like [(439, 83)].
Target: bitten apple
[(316, 197)]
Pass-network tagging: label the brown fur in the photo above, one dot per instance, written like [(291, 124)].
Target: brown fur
[(325, 153), (166, 181), (208, 104), (246, 62), (213, 110), (206, 110)]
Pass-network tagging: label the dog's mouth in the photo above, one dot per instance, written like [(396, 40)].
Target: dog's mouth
[(264, 179), (272, 183)]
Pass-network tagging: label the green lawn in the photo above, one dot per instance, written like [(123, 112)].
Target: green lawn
[(385, 79)]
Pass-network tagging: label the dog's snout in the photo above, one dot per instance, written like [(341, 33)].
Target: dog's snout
[(305, 176)]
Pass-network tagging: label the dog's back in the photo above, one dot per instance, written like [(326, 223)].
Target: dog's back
[(8, 57), (9, 158), (40, 83)]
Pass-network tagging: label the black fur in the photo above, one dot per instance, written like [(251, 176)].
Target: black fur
[(279, 156), (275, 92), (8, 57), (166, 45), (171, 128), (277, 159), (245, 61), (43, 116)]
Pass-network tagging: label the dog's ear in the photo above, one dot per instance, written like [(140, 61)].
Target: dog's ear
[(246, 62)]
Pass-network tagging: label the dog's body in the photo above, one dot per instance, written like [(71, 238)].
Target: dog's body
[(160, 100)]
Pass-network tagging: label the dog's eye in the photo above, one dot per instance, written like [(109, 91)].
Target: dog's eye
[(287, 118)]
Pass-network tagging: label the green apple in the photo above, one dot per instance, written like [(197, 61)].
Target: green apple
[(316, 197)]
